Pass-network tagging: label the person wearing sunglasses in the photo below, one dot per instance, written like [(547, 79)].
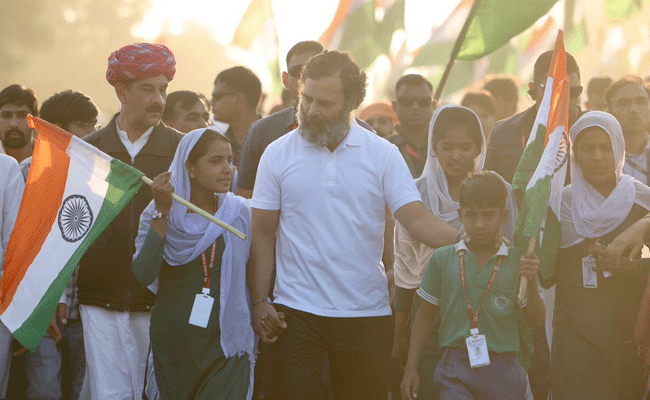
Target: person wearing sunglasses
[(505, 147), (509, 137), (413, 106), (235, 99)]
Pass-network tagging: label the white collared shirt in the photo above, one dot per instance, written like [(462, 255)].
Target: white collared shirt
[(133, 148), (330, 234), (503, 249)]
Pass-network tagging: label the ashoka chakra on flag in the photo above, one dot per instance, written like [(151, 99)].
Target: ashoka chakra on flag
[(75, 218)]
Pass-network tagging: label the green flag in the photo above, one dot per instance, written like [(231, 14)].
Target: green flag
[(497, 21)]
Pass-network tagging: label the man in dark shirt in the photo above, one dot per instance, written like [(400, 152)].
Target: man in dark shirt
[(414, 110), (266, 130), (509, 137)]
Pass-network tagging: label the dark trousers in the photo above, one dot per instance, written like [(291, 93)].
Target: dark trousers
[(357, 349)]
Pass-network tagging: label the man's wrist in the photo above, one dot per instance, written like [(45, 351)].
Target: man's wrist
[(410, 368), (266, 300)]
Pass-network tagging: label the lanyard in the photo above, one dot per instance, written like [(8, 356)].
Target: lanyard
[(473, 318), (206, 273)]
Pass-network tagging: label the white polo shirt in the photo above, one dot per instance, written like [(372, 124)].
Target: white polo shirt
[(330, 235)]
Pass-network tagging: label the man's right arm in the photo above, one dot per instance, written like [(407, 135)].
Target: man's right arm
[(265, 217), (264, 224)]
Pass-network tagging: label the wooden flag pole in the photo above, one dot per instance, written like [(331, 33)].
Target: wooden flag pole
[(201, 212), (454, 53), (523, 281)]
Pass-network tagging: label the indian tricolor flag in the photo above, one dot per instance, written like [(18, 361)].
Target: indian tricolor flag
[(539, 179), (72, 193)]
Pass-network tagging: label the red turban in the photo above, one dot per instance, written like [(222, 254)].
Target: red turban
[(378, 110), (139, 61)]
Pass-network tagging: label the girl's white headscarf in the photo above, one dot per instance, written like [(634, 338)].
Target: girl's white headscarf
[(189, 235), (586, 214), (433, 187)]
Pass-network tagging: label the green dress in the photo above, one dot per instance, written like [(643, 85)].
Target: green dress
[(188, 360), (593, 355)]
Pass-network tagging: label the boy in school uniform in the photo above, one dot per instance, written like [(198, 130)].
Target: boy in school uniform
[(474, 285)]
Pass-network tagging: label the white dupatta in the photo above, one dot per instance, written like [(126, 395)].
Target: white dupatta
[(189, 235), (586, 214)]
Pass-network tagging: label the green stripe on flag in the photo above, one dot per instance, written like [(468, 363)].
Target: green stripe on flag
[(124, 182), (533, 208), (498, 21)]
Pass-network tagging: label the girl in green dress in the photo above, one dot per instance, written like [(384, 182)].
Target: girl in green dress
[(201, 334), (593, 355)]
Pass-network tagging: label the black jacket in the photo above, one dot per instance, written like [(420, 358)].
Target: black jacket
[(507, 142), (105, 278)]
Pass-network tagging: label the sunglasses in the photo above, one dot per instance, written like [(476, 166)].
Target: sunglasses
[(409, 101), (574, 91), (218, 96), (295, 71)]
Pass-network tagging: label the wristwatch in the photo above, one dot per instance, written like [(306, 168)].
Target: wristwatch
[(155, 214)]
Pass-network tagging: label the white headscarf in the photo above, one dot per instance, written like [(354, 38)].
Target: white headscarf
[(189, 235), (586, 214), (433, 187)]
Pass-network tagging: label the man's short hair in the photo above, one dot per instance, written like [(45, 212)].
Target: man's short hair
[(20, 95), (480, 97), (503, 86), (244, 81), (543, 65), (483, 189), (616, 86), (598, 85), (412, 80), (67, 106), (335, 63), (307, 46), (186, 98)]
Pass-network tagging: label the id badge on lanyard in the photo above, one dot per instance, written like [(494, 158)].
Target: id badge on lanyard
[(203, 302), (477, 348)]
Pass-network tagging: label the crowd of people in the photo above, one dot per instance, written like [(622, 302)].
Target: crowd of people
[(379, 262)]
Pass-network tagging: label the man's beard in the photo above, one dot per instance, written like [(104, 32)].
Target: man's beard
[(14, 142), (324, 133)]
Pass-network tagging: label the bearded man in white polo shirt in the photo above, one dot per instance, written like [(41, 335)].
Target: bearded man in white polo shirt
[(318, 204)]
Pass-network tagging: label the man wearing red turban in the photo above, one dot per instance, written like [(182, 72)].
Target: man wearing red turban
[(115, 308)]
